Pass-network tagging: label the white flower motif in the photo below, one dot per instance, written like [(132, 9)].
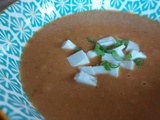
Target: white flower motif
[(16, 7), (21, 28), (8, 43), (62, 6), (33, 14), (4, 19), (80, 5), (8, 82), (132, 7), (23, 105), (149, 4), (116, 3)]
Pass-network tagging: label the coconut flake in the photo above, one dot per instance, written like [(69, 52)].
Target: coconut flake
[(78, 58), (108, 57), (91, 54), (119, 50), (114, 72), (132, 46), (85, 78), (127, 65), (107, 41), (99, 70), (136, 54), (68, 45), (87, 69)]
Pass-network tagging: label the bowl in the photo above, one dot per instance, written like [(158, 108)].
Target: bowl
[(25, 17)]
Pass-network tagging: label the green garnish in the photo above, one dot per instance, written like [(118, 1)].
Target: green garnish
[(125, 42), (113, 65), (128, 57), (118, 43), (99, 50), (139, 61), (121, 42), (91, 40), (109, 51), (115, 55), (106, 65), (77, 49)]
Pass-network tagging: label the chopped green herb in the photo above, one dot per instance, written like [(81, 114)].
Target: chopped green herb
[(118, 43), (91, 40), (115, 55), (99, 50), (125, 42), (121, 42), (109, 51), (77, 49), (113, 65), (139, 61), (106, 65), (128, 57)]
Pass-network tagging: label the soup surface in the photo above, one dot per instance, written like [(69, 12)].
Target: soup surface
[(47, 76)]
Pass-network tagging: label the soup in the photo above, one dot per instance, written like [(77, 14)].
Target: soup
[(48, 77)]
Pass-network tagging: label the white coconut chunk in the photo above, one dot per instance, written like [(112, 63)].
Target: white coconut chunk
[(127, 65), (107, 41), (87, 69), (91, 54), (114, 72), (108, 57), (78, 58), (132, 46), (85, 78), (119, 50), (136, 54), (68, 45), (100, 70)]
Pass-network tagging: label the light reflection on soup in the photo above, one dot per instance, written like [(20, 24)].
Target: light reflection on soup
[(48, 77)]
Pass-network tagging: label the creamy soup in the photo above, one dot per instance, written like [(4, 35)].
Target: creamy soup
[(47, 76)]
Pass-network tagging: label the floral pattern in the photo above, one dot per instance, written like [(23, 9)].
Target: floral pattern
[(8, 82), (132, 7), (116, 3), (22, 19), (32, 14), (19, 27), (8, 43), (149, 4), (3, 19), (63, 6), (80, 5)]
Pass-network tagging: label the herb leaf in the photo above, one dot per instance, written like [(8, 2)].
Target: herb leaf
[(115, 55), (139, 61), (109, 51), (99, 50), (121, 42), (106, 65), (91, 40), (113, 65), (128, 57), (125, 42), (118, 43), (77, 49)]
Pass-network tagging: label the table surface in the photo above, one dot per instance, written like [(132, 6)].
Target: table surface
[(5, 3)]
